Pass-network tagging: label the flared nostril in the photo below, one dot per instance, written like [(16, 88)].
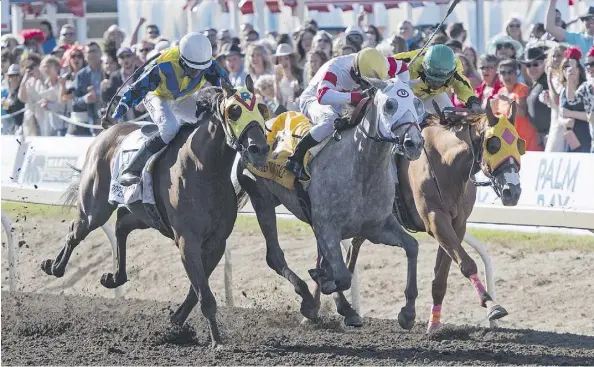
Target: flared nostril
[(409, 144)]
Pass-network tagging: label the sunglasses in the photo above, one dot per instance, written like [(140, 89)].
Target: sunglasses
[(505, 45), (77, 56), (68, 34), (125, 56), (589, 64), (515, 25), (533, 65), (507, 72)]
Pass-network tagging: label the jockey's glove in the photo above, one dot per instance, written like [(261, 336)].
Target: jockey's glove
[(474, 105)]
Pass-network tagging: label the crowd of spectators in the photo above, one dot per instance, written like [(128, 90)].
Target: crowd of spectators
[(549, 73)]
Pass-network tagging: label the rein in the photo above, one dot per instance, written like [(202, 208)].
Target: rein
[(478, 160), (356, 118)]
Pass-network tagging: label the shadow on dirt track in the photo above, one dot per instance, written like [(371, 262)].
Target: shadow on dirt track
[(46, 329)]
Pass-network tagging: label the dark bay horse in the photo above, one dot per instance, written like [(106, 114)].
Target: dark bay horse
[(459, 145), (193, 192)]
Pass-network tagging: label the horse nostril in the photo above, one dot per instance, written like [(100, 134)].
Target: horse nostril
[(409, 144), (506, 193), (256, 149), (253, 149)]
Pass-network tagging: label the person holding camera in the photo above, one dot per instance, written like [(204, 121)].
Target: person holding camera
[(31, 85)]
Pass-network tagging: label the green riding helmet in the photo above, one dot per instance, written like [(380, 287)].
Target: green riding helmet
[(439, 64)]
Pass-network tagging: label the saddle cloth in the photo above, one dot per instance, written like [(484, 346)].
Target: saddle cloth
[(125, 195), (282, 135)]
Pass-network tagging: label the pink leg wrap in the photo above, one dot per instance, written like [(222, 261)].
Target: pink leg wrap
[(478, 286), (434, 322)]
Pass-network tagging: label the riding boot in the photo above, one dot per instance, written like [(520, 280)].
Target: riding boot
[(295, 161), (131, 174)]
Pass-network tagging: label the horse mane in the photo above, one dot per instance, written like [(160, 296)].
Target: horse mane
[(479, 121), (210, 99), (347, 111)]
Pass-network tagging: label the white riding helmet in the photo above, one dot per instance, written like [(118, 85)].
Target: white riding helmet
[(195, 51)]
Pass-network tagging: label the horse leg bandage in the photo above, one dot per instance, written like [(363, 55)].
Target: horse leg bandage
[(435, 320), (480, 290)]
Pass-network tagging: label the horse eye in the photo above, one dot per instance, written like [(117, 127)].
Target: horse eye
[(264, 111), (390, 106), (234, 112), (493, 145)]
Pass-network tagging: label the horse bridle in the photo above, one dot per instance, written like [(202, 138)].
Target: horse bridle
[(236, 140), (362, 109), (477, 159)]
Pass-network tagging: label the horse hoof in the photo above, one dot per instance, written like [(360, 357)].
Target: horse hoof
[(496, 312), (305, 321), (58, 273), (308, 311), (175, 320), (433, 327), (46, 266), (108, 280), (217, 345), (328, 287), (406, 321), (354, 321)]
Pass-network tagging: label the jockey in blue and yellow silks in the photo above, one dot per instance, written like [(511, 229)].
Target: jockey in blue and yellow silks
[(167, 86)]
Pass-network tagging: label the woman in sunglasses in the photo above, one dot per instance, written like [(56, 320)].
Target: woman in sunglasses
[(538, 111), (578, 134), (505, 47), (555, 140), (513, 28)]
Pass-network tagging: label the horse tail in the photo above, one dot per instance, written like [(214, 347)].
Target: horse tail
[(70, 196)]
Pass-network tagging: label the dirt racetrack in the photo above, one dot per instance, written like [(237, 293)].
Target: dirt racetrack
[(54, 329), (74, 320)]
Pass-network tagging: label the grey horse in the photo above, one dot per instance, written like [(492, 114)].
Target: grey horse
[(351, 194)]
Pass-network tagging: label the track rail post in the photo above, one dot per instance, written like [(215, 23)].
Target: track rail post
[(12, 253)]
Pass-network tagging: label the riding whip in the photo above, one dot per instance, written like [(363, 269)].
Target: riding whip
[(450, 10), (135, 74)]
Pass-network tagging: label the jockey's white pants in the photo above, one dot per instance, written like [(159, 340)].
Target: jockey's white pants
[(442, 99), (169, 115), (321, 116)]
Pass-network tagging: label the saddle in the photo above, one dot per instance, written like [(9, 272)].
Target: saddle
[(143, 191), (345, 123), (282, 134)]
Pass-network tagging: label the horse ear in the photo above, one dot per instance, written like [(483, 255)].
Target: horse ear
[(493, 120), (249, 84), (514, 111), (228, 89), (376, 83), (439, 112)]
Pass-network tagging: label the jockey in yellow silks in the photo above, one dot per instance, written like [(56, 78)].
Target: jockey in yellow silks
[(167, 85), (438, 71)]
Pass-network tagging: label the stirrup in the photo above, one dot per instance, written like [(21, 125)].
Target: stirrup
[(297, 169), (130, 178)]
